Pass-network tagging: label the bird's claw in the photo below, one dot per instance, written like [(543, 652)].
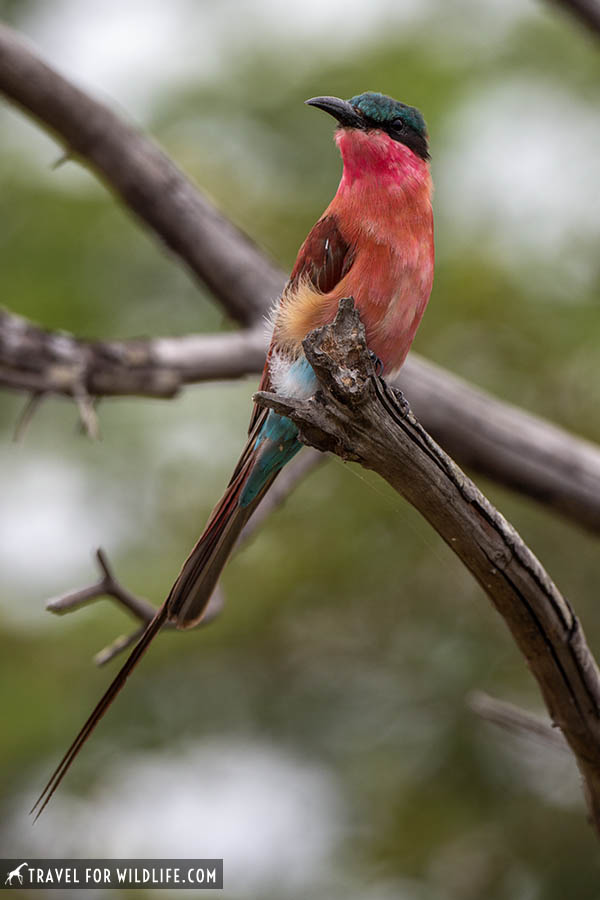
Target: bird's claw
[(377, 364)]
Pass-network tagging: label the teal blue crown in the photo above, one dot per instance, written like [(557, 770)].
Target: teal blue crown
[(383, 109)]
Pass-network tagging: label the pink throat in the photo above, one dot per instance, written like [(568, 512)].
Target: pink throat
[(375, 155)]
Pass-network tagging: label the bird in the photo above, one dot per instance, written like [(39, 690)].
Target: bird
[(374, 242)]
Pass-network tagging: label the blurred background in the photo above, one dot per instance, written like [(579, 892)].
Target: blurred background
[(317, 736)]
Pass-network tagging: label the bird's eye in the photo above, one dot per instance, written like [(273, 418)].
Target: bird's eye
[(398, 124)]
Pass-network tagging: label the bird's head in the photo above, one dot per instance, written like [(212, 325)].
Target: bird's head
[(374, 113)]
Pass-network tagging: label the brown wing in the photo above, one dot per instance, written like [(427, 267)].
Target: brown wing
[(324, 258)]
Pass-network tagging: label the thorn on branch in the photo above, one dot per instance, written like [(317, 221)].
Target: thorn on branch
[(27, 413), (62, 159), (87, 411), (118, 646), (518, 721)]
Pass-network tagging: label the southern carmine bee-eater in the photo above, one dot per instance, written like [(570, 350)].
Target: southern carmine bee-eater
[(374, 242)]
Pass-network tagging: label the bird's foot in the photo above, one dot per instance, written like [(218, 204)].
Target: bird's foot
[(377, 364)]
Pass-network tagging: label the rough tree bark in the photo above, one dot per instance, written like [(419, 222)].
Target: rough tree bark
[(359, 417)]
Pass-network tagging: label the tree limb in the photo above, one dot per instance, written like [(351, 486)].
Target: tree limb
[(507, 444), (45, 362), (498, 440), (359, 417), (147, 181), (109, 585), (586, 11), (503, 442)]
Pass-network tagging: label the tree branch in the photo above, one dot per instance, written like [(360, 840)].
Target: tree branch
[(586, 11), (503, 442), (109, 585), (507, 444), (498, 440), (358, 416), (46, 362), (146, 180)]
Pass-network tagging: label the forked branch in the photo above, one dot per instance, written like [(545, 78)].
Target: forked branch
[(109, 585)]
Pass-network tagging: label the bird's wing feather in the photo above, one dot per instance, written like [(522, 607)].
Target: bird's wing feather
[(324, 258)]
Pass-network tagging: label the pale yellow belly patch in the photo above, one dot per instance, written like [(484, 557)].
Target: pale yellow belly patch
[(301, 311)]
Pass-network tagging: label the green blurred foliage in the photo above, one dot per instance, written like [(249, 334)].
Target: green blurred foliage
[(351, 633)]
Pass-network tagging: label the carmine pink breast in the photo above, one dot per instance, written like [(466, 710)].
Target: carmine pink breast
[(383, 208)]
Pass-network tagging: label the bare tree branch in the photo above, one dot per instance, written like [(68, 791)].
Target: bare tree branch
[(109, 585), (356, 415), (503, 442), (586, 11), (500, 441), (46, 362), (147, 181)]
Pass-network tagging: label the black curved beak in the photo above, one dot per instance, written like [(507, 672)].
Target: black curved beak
[(341, 110)]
